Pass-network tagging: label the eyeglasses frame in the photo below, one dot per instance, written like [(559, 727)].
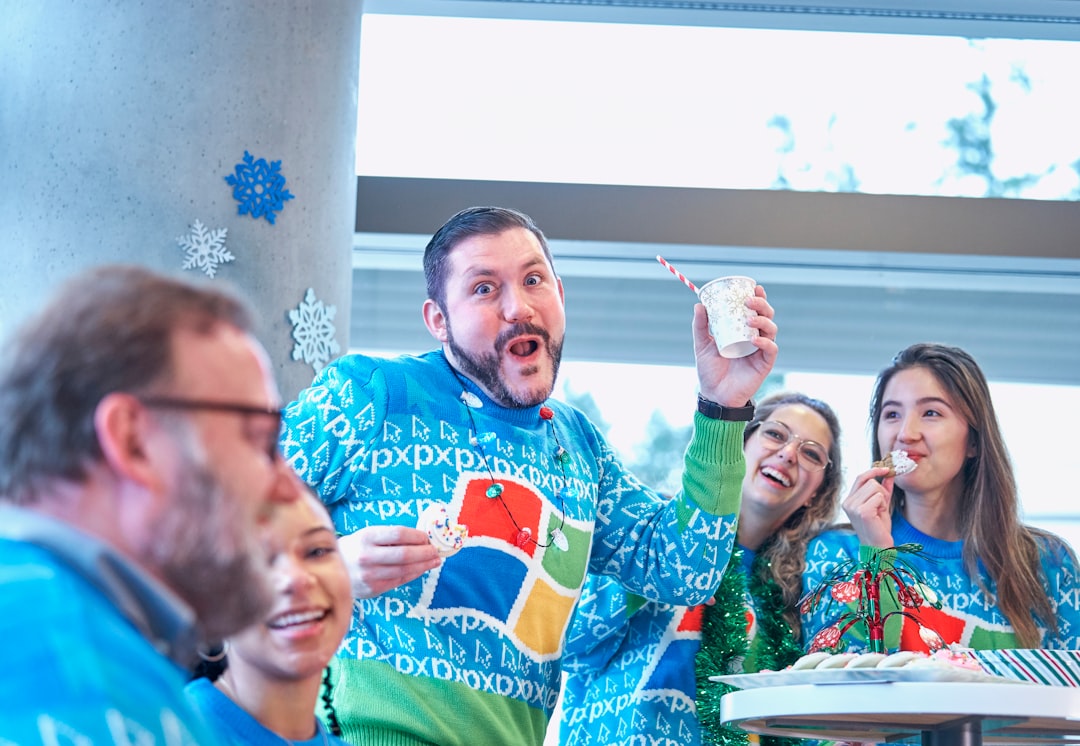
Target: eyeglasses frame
[(792, 436), (174, 402)]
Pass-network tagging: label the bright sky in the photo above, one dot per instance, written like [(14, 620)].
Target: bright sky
[(690, 106)]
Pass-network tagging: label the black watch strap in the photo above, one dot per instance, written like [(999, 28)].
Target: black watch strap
[(715, 411)]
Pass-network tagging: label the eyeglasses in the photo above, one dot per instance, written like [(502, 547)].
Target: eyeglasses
[(167, 402), (775, 435)]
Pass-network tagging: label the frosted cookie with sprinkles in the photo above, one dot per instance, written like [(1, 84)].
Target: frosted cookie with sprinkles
[(445, 535)]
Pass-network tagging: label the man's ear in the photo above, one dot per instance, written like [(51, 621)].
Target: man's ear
[(435, 320), (123, 430)]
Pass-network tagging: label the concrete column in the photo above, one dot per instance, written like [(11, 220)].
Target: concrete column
[(120, 121)]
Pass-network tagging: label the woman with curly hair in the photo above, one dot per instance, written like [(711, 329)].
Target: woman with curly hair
[(635, 667)]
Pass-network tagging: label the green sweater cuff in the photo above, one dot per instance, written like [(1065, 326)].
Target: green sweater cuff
[(712, 480)]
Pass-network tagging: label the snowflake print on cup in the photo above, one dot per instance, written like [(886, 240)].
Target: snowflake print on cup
[(259, 187), (204, 249), (313, 330)]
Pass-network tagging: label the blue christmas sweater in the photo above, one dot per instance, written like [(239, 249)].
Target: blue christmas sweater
[(969, 615), (630, 666), (235, 725), (470, 653), (87, 635)]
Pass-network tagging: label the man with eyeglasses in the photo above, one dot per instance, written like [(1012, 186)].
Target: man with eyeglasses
[(138, 464)]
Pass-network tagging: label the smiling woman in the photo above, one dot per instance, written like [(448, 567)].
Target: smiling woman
[(1002, 583), (274, 670)]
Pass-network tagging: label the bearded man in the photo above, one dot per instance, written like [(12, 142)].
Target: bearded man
[(138, 466), (462, 645)]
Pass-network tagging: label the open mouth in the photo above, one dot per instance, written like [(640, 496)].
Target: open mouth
[(775, 476), (524, 348), (521, 340), (297, 619)]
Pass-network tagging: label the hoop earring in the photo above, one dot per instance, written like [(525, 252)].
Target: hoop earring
[(213, 656)]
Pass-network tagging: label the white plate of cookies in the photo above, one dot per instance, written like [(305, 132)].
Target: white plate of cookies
[(867, 668)]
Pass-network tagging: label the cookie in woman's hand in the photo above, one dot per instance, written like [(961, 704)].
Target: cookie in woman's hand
[(897, 462)]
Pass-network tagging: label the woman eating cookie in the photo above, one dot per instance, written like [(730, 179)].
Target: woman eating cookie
[(1000, 583)]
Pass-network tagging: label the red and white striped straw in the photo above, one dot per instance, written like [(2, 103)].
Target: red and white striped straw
[(676, 272)]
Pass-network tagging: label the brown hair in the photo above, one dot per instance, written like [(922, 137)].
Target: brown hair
[(472, 221), (989, 509), (784, 553), (108, 329)]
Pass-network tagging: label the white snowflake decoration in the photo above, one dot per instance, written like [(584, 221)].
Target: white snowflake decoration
[(313, 330), (205, 249)]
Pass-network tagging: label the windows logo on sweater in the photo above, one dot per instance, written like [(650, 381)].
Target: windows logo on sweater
[(536, 586)]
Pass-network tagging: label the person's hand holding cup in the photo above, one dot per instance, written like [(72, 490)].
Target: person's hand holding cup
[(725, 302)]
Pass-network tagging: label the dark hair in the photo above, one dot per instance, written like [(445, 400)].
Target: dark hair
[(109, 329), (472, 221), (989, 509), (785, 551)]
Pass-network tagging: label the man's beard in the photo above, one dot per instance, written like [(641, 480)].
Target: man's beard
[(206, 554), (485, 369)]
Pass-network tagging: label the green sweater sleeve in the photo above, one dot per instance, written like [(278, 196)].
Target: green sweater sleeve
[(712, 480)]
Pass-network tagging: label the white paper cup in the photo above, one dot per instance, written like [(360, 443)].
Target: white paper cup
[(725, 300)]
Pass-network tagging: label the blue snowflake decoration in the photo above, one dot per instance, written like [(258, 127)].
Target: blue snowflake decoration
[(259, 187)]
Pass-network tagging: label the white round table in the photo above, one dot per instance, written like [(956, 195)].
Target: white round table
[(935, 714)]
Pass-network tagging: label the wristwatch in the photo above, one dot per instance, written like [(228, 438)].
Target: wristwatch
[(715, 411)]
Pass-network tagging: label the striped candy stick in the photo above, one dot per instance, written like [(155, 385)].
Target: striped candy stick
[(677, 273)]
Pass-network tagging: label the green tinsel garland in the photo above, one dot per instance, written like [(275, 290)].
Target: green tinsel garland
[(780, 647), (724, 646)]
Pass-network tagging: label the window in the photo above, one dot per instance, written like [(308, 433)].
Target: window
[(713, 107), (833, 155)]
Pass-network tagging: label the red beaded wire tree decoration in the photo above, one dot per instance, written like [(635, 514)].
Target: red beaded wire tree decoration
[(859, 586)]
